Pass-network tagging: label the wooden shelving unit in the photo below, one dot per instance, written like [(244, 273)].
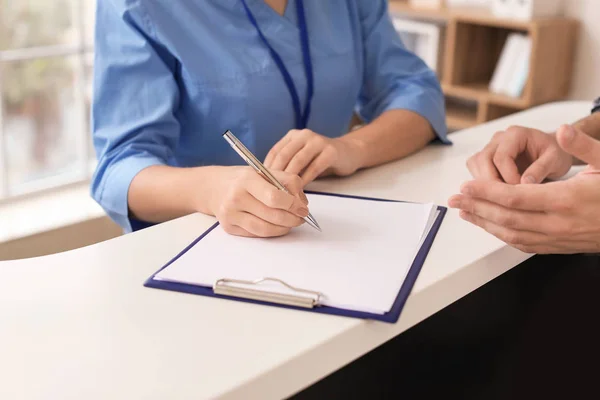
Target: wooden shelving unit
[(460, 117), (473, 43), (480, 92)]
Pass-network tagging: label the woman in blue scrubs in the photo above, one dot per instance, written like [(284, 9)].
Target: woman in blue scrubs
[(285, 76)]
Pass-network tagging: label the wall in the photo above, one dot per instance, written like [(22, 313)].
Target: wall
[(586, 77)]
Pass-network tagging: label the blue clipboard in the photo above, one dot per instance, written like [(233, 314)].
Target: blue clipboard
[(391, 316)]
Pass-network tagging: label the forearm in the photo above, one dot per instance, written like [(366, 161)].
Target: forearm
[(393, 135), (161, 193)]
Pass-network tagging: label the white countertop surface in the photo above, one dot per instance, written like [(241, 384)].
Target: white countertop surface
[(80, 325)]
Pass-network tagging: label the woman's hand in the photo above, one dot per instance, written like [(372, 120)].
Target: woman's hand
[(520, 155), (247, 205), (311, 155)]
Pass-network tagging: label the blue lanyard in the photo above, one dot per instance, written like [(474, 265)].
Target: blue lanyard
[(301, 118)]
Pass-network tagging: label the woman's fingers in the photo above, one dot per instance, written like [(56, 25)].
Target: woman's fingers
[(272, 197), (318, 166), (255, 207), (279, 159), (258, 227), (277, 148), (236, 230), (274, 216), (303, 158), (293, 184)]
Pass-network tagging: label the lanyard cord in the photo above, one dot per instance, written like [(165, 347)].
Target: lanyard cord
[(301, 118)]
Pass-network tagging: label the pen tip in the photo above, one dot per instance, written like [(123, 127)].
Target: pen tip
[(313, 222)]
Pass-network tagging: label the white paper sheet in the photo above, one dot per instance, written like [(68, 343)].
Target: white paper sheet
[(358, 262)]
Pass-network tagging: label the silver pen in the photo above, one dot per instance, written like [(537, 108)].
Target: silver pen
[(252, 161)]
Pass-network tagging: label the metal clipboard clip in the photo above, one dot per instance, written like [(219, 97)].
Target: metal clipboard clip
[(235, 288)]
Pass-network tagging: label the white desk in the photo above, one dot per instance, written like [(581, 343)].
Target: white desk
[(80, 325)]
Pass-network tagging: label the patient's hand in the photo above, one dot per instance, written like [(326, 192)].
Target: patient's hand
[(557, 217), (520, 155)]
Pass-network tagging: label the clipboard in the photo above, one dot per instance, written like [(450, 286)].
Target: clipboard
[(301, 298)]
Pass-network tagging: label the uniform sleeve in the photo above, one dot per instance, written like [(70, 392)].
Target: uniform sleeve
[(394, 77), (134, 103)]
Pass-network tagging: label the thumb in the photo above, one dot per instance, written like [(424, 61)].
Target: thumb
[(579, 145)]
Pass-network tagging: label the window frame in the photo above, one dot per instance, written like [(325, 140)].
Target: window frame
[(3, 158), (80, 50)]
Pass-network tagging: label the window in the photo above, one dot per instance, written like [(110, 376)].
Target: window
[(46, 54)]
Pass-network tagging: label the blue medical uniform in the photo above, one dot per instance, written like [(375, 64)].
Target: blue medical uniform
[(172, 75)]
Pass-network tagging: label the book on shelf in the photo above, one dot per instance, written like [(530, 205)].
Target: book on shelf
[(526, 9), (512, 69)]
